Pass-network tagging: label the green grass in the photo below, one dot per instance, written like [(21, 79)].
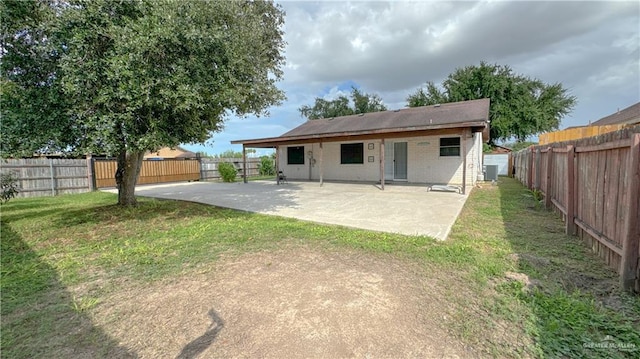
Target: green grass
[(52, 244), (574, 301)]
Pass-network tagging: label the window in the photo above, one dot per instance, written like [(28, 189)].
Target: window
[(295, 155), (450, 147), (351, 153)]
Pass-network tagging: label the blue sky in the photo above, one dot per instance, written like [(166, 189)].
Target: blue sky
[(393, 48)]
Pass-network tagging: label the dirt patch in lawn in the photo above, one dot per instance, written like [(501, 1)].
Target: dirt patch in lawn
[(298, 302)]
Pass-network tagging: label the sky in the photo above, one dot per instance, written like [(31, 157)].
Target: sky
[(393, 48)]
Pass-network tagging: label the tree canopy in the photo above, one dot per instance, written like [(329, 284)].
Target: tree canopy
[(32, 105), (520, 106), (343, 106), (121, 78)]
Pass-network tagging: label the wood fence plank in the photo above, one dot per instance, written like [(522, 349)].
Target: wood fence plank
[(623, 174), (530, 168), (548, 184), (570, 198), (600, 171), (611, 195), (605, 146), (631, 239)]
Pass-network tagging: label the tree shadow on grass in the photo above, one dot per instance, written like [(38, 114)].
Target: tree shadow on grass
[(572, 294), (200, 344), (27, 209), (146, 210), (40, 318)]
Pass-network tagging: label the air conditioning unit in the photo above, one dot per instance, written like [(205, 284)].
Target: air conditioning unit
[(490, 172)]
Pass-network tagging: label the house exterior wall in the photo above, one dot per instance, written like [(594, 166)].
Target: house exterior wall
[(424, 163)]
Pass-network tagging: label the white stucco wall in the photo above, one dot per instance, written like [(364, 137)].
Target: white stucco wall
[(424, 164)]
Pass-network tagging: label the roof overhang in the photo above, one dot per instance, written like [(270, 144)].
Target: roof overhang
[(427, 130)]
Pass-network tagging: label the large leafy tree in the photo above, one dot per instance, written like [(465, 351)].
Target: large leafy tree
[(140, 75), (359, 102), (32, 104), (520, 106)]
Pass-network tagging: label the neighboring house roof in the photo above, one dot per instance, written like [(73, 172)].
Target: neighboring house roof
[(166, 152), (500, 149), (474, 114), (629, 115)]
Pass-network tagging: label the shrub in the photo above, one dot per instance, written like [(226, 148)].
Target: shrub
[(227, 171), (9, 184), (265, 167)]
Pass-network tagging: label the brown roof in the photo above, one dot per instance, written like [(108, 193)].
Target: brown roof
[(500, 149), (167, 152), (629, 115), (463, 114)]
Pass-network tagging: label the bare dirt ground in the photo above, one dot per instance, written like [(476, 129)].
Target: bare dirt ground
[(291, 303)]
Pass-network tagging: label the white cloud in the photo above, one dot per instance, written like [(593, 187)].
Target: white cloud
[(392, 48)]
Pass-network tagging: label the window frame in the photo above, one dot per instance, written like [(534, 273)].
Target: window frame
[(290, 149), (447, 147), (358, 146)]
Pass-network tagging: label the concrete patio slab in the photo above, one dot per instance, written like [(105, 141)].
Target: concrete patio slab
[(411, 210)]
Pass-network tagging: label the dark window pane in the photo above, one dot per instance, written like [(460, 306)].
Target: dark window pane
[(351, 153), (450, 141), (449, 151), (450, 147), (295, 155)]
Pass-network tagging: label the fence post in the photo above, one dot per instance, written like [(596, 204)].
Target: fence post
[(530, 171), (510, 165), (53, 182), (631, 234), (547, 190), (571, 189), (91, 175)]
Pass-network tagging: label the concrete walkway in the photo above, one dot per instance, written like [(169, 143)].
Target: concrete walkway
[(398, 209)]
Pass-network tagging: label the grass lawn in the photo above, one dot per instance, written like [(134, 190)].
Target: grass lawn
[(507, 265)]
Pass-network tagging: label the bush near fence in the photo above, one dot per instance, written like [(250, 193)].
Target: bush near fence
[(209, 167), (595, 184)]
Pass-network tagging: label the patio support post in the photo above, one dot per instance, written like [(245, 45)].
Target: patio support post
[(382, 164), (277, 165), (321, 166), (464, 161), (244, 163)]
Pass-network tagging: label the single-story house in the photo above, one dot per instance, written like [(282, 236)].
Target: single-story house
[(170, 153), (627, 116), (437, 144)]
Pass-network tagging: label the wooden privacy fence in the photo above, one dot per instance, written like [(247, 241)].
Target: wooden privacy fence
[(577, 133), (152, 171), (209, 167), (595, 184), (48, 177)]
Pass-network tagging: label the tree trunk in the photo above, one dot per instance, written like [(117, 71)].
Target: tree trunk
[(129, 164)]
